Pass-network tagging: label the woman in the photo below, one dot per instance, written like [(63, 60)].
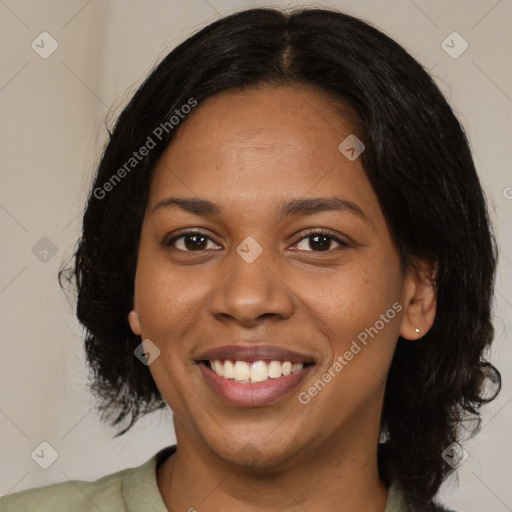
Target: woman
[(287, 244)]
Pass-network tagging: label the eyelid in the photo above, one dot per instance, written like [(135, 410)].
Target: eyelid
[(324, 232), (168, 241)]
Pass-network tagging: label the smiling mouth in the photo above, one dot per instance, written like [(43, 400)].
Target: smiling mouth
[(251, 372)]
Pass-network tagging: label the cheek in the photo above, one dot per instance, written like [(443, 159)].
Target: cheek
[(358, 311), (166, 297), (168, 301), (352, 299)]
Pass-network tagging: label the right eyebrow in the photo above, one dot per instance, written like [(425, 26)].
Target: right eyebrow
[(191, 205)]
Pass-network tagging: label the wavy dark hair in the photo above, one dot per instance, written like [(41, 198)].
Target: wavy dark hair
[(419, 163)]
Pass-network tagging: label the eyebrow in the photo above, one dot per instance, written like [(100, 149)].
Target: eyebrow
[(290, 208)]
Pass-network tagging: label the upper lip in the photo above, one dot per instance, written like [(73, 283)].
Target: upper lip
[(252, 353)]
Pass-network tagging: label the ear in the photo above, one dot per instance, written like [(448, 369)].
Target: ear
[(133, 319), (419, 300)]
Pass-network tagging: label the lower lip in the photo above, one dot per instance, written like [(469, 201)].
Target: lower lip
[(253, 395)]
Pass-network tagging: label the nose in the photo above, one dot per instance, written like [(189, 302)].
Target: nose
[(251, 292)]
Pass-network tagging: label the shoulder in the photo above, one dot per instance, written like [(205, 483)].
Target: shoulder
[(77, 495), (113, 492)]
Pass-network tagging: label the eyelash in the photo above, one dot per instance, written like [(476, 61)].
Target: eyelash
[(310, 234)]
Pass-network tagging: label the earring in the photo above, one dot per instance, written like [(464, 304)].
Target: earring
[(417, 330)]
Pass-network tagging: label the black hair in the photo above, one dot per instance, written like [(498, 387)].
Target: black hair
[(419, 163)]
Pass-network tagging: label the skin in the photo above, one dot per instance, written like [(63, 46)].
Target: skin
[(248, 151)]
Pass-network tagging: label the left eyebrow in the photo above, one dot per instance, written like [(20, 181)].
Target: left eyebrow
[(318, 205)]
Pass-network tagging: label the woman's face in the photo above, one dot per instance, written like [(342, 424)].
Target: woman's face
[(294, 262)]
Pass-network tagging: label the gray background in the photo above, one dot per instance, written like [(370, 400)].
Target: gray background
[(52, 133)]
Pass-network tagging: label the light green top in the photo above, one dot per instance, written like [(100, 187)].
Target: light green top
[(130, 490)]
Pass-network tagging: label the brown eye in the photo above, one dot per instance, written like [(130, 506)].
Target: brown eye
[(192, 242), (320, 242)]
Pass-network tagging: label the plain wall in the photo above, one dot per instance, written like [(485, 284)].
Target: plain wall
[(52, 133)]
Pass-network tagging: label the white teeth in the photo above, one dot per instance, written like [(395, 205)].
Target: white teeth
[(242, 371), (257, 371), (228, 371), (297, 367), (274, 369), (215, 365)]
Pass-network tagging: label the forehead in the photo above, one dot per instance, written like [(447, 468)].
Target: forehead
[(267, 118), (260, 143)]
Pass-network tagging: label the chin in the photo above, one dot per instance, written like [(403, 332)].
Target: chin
[(254, 454)]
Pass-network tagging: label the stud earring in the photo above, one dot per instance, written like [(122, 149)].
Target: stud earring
[(417, 330)]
